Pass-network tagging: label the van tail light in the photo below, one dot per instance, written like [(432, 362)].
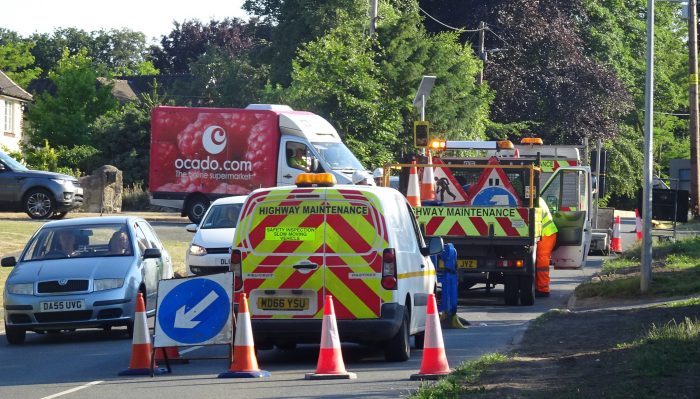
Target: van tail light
[(389, 277), (236, 269)]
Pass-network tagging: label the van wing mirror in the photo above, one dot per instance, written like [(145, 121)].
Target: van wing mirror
[(434, 247), (192, 227), (9, 261), (316, 166)]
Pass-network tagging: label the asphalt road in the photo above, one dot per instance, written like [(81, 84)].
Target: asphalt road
[(84, 364)]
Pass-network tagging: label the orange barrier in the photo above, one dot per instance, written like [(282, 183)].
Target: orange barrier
[(413, 191), (434, 363), (140, 362), (615, 242), (244, 364), (330, 364)]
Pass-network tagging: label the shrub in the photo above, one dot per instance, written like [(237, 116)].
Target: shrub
[(134, 198)]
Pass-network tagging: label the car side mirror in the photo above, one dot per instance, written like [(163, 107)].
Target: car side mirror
[(10, 261), (315, 166), (192, 227), (2, 167), (435, 246), (152, 253)]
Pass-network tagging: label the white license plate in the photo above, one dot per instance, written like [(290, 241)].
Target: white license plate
[(62, 306)]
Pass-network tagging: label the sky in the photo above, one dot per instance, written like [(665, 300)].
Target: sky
[(152, 17)]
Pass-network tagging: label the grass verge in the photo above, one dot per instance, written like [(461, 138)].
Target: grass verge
[(461, 380)]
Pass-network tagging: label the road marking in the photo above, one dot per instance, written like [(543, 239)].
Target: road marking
[(182, 352), (89, 384)]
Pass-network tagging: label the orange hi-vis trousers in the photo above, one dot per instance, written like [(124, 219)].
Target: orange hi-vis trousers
[(544, 252)]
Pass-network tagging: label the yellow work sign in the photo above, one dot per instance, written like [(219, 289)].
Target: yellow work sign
[(693, 79), (290, 233)]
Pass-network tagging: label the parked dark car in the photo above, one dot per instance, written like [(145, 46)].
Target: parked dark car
[(41, 195)]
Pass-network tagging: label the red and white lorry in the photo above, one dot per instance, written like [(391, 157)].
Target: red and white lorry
[(200, 154)]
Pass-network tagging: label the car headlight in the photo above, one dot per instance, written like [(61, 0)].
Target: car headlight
[(108, 284), (21, 289), (197, 250), (67, 184)]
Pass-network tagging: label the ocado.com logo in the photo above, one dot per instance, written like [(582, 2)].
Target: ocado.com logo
[(214, 139)]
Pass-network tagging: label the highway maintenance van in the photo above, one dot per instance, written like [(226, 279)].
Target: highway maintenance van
[(360, 244), (201, 154)]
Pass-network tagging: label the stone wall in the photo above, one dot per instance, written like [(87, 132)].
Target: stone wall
[(103, 190)]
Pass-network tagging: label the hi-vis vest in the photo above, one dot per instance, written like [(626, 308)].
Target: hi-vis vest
[(548, 226)]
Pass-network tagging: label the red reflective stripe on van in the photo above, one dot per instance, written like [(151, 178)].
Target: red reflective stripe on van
[(341, 312), (479, 225), (348, 233), (297, 279), (525, 214), (358, 287), (507, 227)]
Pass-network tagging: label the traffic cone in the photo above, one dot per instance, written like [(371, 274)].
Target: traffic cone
[(434, 363), (413, 192), (244, 364), (173, 354), (140, 362), (427, 185), (615, 243), (330, 364), (638, 225)]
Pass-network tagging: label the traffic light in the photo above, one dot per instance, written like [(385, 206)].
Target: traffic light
[(421, 134)]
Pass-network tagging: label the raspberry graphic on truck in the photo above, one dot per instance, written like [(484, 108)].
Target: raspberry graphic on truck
[(201, 154)]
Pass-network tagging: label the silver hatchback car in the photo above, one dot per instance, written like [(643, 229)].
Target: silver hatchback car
[(84, 273)]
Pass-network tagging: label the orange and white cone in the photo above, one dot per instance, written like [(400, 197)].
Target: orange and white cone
[(615, 243), (244, 364), (638, 225), (427, 185), (434, 363), (173, 355), (413, 192), (330, 364), (140, 362)]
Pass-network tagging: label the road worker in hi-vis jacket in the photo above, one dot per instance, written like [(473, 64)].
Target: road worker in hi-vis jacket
[(544, 251)]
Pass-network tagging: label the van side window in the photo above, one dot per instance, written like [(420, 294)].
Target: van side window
[(297, 156), (416, 229), (398, 223)]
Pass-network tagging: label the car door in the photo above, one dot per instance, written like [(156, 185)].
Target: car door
[(567, 193), (150, 268), (287, 174), (9, 187)]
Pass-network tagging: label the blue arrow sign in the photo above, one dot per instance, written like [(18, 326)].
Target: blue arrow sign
[(194, 311), (494, 196)]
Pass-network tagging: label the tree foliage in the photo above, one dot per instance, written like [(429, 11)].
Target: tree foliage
[(16, 59), (64, 118), (190, 40)]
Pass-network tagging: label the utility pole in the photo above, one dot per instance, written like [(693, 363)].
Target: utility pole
[(645, 275), (372, 17), (482, 53), (693, 103)]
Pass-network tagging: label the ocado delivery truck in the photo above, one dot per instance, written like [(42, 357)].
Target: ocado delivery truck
[(200, 154)]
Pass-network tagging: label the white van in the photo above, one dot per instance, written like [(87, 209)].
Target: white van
[(360, 244)]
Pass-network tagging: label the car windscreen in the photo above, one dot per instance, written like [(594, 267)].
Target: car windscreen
[(10, 162), (338, 156), (79, 241), (224, 216)]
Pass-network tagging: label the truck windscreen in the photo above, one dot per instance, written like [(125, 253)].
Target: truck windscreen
[(338, 156)]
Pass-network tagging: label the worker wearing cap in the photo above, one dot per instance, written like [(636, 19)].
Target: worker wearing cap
[(544, 251)]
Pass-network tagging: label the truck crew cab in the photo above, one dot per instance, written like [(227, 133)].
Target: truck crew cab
[(360, 244)]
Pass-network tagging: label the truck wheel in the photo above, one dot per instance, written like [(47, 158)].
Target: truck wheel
[(527, 290), (196, 208), (38, 204), (511, 289), (398, 348), (14, 335)]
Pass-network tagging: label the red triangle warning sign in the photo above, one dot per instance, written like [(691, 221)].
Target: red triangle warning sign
[(493, 188), (447, 189)]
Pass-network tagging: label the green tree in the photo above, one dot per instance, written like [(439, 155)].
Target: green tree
[(64, 118), (123, 137), (16, 59)]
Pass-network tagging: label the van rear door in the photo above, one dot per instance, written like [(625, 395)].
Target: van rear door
[(355, 238)]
